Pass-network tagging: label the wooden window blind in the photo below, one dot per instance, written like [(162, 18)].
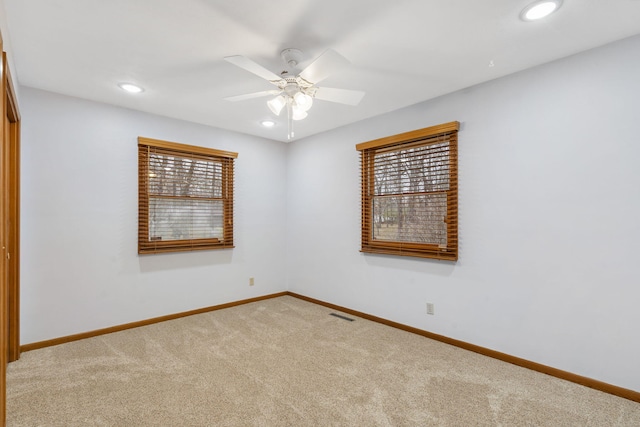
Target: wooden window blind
[(410, 193), (185, 197)]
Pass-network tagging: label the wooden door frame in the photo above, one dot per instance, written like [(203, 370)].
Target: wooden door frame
[(4, 320), (13, 169), (9, 227)]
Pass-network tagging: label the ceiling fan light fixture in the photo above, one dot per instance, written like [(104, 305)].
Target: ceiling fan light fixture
[(277, 104), (298, 114), (303, 101), (540, 9)]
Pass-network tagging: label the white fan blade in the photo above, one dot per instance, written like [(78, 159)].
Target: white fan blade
[(253, 67), (252, 95), (341, 96), (326, 64)]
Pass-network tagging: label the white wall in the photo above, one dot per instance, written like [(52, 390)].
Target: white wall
[(80, 267), (549, 207)]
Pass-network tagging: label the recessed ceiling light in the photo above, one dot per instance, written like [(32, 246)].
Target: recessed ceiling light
[(540, 9), (130, 87), (268, 123)]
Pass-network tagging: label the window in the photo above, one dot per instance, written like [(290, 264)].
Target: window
[(185, 197), (410, 193)]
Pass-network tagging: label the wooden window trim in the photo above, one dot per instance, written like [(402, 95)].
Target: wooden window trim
[(226, 158), (185, 148), (407, 137), (399, 142)]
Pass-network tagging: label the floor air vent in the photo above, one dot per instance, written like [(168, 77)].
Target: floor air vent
[(341, 317)]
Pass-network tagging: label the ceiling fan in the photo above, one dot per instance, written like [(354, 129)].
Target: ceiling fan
[(297, 92)]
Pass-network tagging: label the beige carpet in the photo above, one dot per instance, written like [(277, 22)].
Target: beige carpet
[(287, 362)]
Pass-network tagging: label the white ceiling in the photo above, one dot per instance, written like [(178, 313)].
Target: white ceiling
[(402, 51)]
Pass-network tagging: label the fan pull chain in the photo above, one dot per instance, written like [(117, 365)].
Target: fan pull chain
[(290, 135)]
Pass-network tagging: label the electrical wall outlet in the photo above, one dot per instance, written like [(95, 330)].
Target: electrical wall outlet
[(251, 282), (431, 308)]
